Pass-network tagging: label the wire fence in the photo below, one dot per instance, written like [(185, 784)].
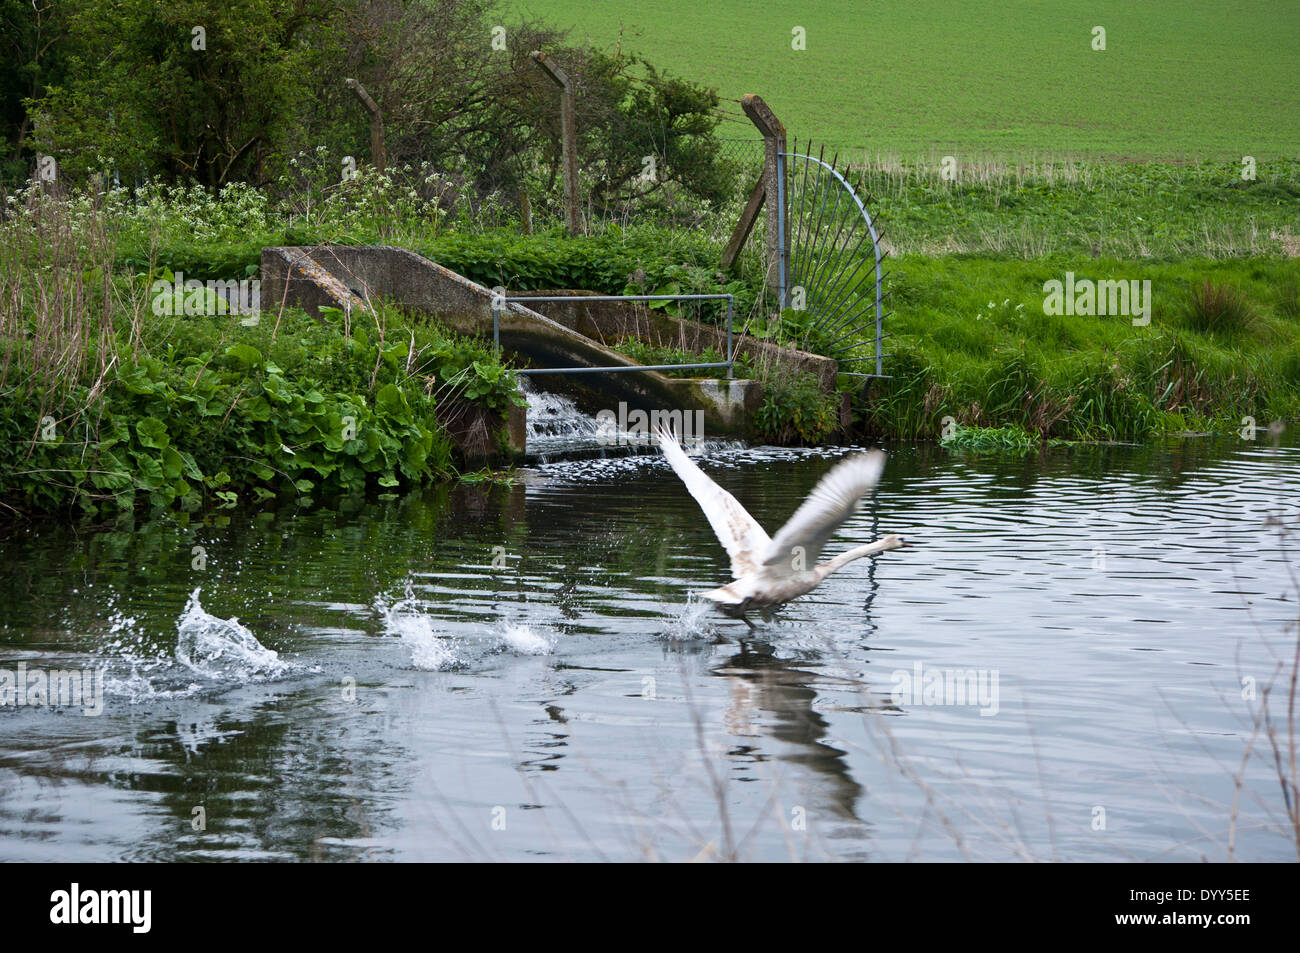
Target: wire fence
[(745, 154)]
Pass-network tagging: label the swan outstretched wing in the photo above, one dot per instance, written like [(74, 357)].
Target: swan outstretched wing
[(798, 544), (740, 535)]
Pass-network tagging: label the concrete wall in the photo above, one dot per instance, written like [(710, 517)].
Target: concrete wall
[(346, 277), (611, 321)]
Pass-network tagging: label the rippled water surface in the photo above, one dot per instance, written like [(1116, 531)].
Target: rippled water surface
[(521, 672)]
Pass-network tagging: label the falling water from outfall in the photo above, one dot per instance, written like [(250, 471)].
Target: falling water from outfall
[(557, 430)]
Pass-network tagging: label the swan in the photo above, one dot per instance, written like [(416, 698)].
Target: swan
[(770, 571)]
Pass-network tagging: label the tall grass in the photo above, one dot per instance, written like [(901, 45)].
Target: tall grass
[(1218, 309), (59, 302)]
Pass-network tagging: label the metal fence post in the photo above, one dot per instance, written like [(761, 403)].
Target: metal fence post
[(731, 353)]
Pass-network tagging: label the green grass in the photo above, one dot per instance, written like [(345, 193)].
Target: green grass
[(1186, 78), (1011, 439), (971, 341), (1030, 209)]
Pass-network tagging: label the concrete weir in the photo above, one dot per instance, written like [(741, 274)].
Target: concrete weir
[(347, 277)]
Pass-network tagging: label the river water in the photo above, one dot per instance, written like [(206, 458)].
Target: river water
[(521, 672)]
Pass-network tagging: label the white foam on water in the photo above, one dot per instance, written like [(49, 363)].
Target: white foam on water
[(222, 649), (430, 650), (137, 687), (526, 640), (553, 416)]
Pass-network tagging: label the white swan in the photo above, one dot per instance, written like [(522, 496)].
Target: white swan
[(771, 571)]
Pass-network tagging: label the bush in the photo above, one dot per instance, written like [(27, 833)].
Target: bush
[(795, 410), (214, 410)]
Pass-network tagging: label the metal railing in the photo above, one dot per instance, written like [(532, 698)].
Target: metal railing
[(498, 301)]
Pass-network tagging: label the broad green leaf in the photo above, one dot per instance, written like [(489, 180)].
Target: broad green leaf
[(190, 468), (148, 471), (172, 464), (244, 354)]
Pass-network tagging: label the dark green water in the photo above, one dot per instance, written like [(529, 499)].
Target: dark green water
[(533, 681)]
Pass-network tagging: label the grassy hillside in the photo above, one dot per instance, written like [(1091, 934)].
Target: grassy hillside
[(1185, 78)]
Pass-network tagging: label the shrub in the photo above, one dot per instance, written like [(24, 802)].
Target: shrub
[(1218, 309), (795, 410), (211, 409)]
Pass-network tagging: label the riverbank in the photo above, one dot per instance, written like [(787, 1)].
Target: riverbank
[(1203, 346), (205, 410), (106, 403)]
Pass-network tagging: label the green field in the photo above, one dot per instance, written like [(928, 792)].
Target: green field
[(1180, 79)]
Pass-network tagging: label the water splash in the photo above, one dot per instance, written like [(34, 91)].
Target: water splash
[(139, 667), (407, 620), (693, 620), (222, 649), (526, 640)]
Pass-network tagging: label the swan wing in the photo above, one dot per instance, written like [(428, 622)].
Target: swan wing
[(798, 544), (740, 535)]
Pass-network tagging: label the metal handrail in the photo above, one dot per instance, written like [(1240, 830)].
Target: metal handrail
[(729, 363)]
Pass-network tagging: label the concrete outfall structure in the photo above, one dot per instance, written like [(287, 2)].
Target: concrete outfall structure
[(348, 277)]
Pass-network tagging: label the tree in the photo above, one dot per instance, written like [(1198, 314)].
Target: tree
[(188, 90), (33, 50), (192, 90)]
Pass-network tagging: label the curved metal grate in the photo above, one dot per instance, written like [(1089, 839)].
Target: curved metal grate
[(835, 262)]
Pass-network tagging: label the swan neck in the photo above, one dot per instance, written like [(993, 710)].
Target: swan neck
[(828, 567), (891, 541)]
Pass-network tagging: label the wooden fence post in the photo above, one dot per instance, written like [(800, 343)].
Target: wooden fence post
[(378, 157), (568, 137), (774, 197)]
